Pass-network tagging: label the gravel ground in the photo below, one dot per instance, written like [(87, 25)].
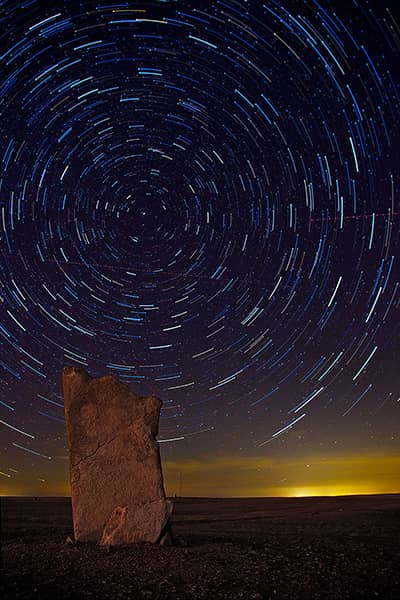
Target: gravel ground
[(233, 550)]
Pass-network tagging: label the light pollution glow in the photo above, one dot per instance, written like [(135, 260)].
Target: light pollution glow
[(227, 476)]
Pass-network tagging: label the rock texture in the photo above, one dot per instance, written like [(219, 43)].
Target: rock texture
[(115, 468)]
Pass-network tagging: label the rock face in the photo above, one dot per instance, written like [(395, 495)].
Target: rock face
[(115, 468)]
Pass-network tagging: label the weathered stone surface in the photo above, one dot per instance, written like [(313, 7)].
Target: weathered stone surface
[(115, 468)]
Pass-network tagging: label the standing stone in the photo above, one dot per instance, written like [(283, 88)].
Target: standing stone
[(115, 468)]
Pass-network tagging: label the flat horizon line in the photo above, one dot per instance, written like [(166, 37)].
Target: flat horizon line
[(300, 497)]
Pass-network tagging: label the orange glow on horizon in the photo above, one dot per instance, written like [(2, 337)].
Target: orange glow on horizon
[(232, 476)]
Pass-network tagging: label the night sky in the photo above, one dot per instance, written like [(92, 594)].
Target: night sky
[(202, 199)]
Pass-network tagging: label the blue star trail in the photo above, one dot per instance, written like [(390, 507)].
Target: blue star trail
[(202, 199)]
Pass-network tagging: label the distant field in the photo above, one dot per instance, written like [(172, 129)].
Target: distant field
[(332, 547), (214, 519)]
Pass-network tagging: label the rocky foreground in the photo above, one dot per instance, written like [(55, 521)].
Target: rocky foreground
[(328, 548)]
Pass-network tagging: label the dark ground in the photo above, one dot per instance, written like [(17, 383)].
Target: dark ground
[(297, 548)]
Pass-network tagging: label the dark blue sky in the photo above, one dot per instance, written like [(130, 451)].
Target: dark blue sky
[(201, 198)]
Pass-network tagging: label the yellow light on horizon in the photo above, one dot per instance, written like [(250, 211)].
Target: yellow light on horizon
[(333, 490), (245, 477), (302, 493)]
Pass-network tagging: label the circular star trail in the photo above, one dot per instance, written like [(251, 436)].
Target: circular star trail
[(202, 200)]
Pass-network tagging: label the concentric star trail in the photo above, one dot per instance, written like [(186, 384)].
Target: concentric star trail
[(201, 198)]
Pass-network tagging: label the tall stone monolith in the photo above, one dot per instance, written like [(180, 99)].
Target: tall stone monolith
[(115, 468)]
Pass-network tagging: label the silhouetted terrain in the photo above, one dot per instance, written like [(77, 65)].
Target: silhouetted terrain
[(257, 548)]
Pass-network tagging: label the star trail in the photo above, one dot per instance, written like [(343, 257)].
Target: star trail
[(202, 199)]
